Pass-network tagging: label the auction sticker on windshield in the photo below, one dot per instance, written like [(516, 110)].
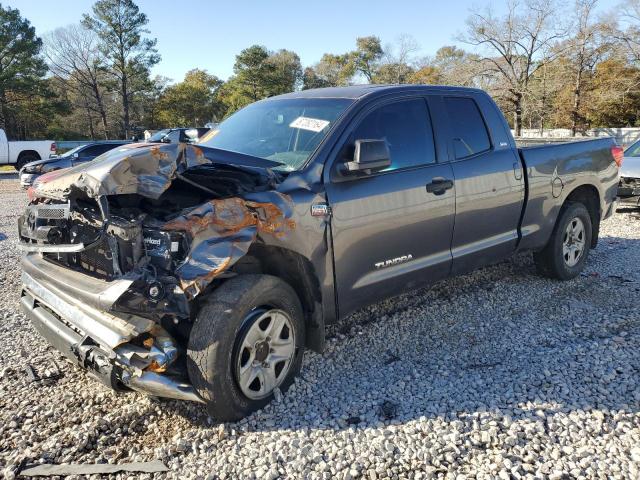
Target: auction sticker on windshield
[(307, 123)]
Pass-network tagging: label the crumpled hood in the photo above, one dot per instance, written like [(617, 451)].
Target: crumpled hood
[(138, 168), (221, 230), (630, 167)]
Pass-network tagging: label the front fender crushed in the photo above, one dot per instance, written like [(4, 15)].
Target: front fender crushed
[(222, 231)]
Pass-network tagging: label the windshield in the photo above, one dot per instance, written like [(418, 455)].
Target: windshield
[(156, 137), (285, 131)]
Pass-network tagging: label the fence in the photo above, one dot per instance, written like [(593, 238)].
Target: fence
[(624, 136)]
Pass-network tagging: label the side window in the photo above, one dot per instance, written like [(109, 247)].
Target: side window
[(469, 131), (90, 152), (406, 127), (106, 147)]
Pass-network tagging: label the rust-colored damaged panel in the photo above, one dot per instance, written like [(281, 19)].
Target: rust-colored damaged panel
[(222, 230)]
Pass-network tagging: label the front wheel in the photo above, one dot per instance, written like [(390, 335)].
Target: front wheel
[(248, 340), (566, 253)]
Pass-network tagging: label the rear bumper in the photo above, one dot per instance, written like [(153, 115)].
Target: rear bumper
[(61, 305)]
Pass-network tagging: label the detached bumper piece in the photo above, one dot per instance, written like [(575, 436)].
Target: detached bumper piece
[(122, 352)]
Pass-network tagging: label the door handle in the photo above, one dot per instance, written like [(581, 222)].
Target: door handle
[(439, 185)]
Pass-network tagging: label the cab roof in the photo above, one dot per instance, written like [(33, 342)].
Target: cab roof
[(358, 91)]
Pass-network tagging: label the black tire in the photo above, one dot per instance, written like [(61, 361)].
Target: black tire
[(216, 334), (24, 159), (550, 261)]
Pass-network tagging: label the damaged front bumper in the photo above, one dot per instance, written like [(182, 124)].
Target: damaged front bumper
[(124, 351)]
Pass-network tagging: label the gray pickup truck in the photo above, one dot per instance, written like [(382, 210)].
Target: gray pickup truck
[(202, 272)]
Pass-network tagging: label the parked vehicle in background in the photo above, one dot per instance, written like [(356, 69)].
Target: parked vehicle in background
[(203, 272), (175, 135), (19, 153), (84, 153), (629, 186)]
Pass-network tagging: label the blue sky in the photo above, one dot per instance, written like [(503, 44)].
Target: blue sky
[(208, 34)]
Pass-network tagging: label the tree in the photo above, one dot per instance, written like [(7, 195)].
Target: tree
[(396, 65), (254, 72), (287, 72), (192, 102), (427, 75), (331, 71), (73, 55), (584, 49), (150, 101), (614, 97), (21, 67), (260, 73), (515, 46), (367, 56), (311, 79), (120, 26), (627, 32)]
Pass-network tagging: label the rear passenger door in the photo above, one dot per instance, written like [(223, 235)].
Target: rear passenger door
[(489, 186), (391, 230)]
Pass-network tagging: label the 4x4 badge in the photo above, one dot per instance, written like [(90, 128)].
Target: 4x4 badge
[(320, 210)]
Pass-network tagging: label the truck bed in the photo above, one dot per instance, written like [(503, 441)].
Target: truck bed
[(554, 170)]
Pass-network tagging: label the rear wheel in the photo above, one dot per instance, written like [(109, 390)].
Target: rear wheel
[(566, 253), (248, 340)]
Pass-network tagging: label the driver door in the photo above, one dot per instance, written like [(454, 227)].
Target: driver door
[(391, 229)]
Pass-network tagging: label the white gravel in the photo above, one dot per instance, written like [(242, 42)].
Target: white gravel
[(497, 374)]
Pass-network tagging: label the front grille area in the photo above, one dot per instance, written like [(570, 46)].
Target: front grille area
[(97, 260), (47, 225), (52, 212)]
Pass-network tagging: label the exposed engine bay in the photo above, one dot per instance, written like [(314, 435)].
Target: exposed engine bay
[(170, 219)]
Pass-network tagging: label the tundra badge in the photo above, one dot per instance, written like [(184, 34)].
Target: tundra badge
[(320, 210), (394, 261)]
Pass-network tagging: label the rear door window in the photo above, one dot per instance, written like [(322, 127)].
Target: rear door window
[(469, 130), (406, 127)]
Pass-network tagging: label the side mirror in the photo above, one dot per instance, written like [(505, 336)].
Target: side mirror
[(191, 134), (75, 155), (369, 156), (165, 139)]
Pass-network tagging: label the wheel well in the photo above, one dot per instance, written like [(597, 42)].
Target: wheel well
[(299, 273), (24, 153), (588, 195)]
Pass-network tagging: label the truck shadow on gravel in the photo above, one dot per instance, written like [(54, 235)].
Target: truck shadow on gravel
[(500, 340)]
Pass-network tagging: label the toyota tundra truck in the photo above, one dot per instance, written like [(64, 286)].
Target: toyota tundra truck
[(203, 271)]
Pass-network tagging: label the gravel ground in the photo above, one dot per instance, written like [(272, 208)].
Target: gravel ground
[(497, 374)]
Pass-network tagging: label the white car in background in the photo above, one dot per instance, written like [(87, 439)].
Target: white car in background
[(19, 154), (629, 186)]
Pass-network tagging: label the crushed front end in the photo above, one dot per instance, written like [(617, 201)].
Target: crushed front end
[(117, 252)]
